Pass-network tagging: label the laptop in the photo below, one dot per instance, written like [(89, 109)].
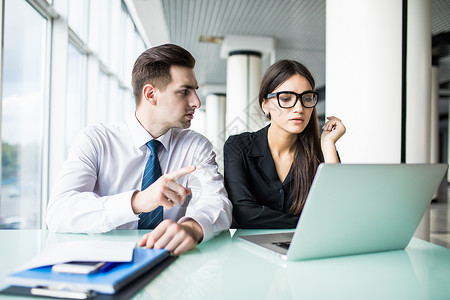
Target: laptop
[(358, 208)]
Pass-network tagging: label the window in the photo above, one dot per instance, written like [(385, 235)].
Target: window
[(75, 94), (104, 26), (102, 99), (78, 12), (23, 105), (87, 45)]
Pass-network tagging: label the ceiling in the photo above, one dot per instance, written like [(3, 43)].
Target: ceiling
[(299, 28)]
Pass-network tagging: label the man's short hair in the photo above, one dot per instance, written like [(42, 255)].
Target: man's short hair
[(153, 67)]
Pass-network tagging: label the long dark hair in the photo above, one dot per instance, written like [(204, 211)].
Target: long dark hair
[(307, 151)]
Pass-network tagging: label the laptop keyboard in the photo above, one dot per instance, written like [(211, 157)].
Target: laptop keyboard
[(284, 245)]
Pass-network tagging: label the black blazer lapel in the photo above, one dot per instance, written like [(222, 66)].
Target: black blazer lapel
[(262, 158)]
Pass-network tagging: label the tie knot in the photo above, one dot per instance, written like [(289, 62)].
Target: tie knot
[(154, 146)]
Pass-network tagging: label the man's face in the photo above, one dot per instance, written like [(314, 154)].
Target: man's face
[(178, 102)]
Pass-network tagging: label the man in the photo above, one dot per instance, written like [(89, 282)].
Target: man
[(112, 176)]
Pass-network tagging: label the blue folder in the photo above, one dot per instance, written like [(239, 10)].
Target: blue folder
[(105, 282)]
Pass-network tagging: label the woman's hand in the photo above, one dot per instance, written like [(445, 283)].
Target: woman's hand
[(332, 132)]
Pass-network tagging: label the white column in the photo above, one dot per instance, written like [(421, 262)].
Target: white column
[(418, 114), (363, 80), (364, 77), (243, 80), (448, 140), (215, 124), (434, 122), (244, 54), (199, 122)]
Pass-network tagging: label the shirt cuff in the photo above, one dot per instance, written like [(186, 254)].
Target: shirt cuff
[(205, 224), (119, 210)]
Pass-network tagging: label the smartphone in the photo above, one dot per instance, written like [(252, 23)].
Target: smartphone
[(79, 267)]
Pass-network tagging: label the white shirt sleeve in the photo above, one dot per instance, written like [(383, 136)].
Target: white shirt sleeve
[(209, 205), (74, 206)]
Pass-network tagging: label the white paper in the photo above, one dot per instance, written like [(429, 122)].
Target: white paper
[(83, 250)]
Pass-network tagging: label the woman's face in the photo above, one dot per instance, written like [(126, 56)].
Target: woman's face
[(291, 120)]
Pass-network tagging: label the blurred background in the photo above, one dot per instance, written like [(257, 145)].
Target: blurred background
[(66, 64)]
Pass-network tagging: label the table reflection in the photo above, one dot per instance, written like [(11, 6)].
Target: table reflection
[(229, 268)]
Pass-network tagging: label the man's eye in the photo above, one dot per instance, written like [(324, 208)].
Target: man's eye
[(184, 92)]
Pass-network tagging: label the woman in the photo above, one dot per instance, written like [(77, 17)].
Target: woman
[(268, 173)]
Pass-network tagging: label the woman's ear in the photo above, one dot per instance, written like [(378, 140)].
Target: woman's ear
[(265, 108), (148, 94)]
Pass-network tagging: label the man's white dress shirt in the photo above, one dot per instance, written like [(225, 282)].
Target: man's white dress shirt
[(105, 166)]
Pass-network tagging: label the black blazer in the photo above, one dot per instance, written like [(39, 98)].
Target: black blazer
[(260, 199)]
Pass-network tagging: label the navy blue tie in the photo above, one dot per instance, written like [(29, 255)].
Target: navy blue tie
[(152, 172)]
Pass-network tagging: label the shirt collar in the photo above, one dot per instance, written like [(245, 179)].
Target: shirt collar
[(141, 136)]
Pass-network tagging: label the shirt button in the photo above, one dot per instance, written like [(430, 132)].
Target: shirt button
[(281, 191)]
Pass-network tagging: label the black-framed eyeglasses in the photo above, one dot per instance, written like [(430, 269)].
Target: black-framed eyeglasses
[(288, 99)]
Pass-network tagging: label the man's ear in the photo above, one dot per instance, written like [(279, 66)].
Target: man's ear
[(148, 93)]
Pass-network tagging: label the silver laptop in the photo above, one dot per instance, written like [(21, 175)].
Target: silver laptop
[(354, 209)]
